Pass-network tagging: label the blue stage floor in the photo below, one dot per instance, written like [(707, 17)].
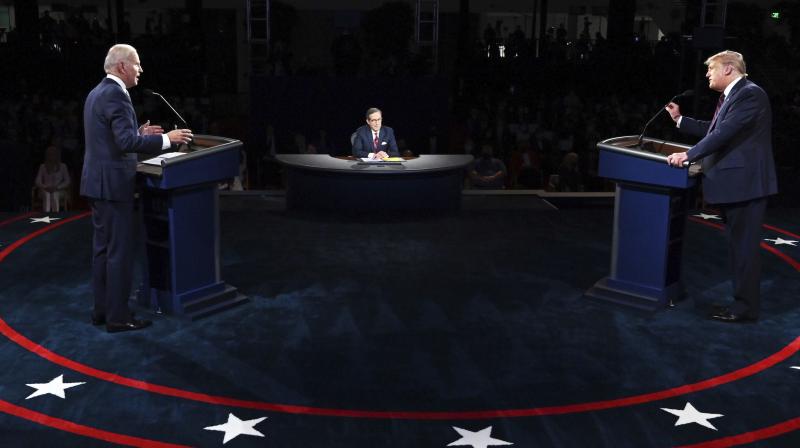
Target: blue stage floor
[(402, 331)]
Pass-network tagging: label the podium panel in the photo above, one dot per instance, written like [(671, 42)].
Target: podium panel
[(180, 206), (649, 221)]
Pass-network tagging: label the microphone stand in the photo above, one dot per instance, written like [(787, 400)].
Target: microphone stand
[(148, 91), (168, 105), (641, 136)]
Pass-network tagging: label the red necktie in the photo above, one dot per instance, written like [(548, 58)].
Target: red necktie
[(375, 142), (716, 111)]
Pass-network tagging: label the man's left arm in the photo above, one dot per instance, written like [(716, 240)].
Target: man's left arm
[(394, 151)]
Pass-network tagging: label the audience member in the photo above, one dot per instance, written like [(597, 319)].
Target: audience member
[(487, 171), (569, 176), (52, 180)]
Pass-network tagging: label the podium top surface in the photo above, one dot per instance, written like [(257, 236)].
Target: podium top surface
[(421, 164), (651, 148), (209, 159), (623, 159), (202, 146)]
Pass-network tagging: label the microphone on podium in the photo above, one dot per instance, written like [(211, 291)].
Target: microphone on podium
[(680, 95), (151, 92)]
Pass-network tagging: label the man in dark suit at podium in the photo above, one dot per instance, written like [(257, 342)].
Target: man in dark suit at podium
[(108, 179), (374, 140), (735, 153)]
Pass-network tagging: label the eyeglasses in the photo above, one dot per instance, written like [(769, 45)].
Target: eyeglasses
[(374, 120)]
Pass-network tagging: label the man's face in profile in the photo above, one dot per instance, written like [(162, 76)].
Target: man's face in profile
[(130, 70), (716, 75), (374, 120)]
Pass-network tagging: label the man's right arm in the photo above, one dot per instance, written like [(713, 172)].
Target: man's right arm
[(687, 125)]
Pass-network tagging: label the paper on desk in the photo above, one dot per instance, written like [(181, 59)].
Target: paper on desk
[(387, 159), (161, 158)]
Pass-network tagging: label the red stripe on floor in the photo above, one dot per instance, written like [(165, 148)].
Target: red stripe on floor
[(752, 436), (13, 246), (75, 428), (17, 218), (750, 370)]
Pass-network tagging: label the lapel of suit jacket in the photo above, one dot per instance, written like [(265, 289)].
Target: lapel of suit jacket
[(728, 101)]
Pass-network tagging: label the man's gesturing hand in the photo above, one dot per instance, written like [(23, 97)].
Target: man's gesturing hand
[(146, 129), (180, 136)]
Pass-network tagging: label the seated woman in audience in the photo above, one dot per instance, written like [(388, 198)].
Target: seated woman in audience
[(52, 180)]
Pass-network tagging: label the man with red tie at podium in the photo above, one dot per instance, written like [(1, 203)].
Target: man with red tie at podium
[(108, 180), (373, 140), (735, 153)]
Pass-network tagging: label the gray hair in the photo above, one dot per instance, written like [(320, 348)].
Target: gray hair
[(116, 54), (372, 110)]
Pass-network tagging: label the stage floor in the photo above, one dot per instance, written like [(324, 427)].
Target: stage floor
[(402, 330)]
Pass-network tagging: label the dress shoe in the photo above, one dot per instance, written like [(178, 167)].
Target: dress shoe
[(98, 319), (728, 316), (719, 307), (131, 325)]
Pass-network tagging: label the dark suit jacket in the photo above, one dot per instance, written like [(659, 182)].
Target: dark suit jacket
[(363, 144), (736, 155), (112, 138)]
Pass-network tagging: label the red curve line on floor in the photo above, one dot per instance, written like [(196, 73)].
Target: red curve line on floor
[(750, 437), (771, 249), (75, 428), (750, 370), (17, 218), (779, 230), (13, 246)]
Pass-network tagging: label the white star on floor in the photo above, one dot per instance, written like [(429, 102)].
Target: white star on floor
[(707, 217), (235, 427), (479, 439), (46, 219), (691, 415), (778, 241), (56, 387)]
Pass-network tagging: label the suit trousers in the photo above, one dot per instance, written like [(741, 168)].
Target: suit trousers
[(112, 258), (743, 231)]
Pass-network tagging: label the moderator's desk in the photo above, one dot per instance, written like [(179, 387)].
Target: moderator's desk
[(322, 182)]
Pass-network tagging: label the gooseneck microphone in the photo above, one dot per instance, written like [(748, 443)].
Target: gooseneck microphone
[(680, 95), (151, 92)]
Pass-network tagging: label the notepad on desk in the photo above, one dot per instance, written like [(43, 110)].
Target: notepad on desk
[(387, 159), (162, 157)]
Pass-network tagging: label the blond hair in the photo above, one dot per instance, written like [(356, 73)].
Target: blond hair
[(728, 57)]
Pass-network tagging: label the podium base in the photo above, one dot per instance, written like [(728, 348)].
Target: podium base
[(205, 306), (195, 305), (635, 296)]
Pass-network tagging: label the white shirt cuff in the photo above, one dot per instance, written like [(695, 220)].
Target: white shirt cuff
[(166, 143)]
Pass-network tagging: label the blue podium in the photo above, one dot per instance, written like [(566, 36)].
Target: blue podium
[(649, 220), (180, 208)]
